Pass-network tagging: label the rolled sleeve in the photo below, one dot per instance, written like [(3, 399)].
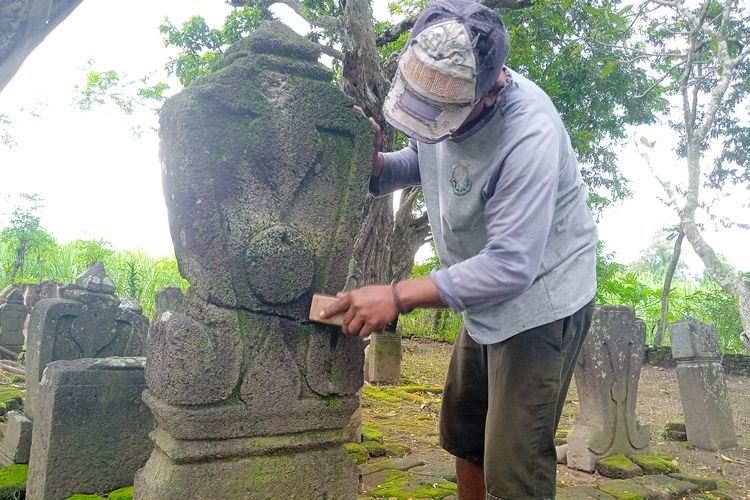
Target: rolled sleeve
[(518, 217), (400, 170)]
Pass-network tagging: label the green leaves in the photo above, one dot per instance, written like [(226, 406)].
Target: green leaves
[(576, 52), (200, 46)]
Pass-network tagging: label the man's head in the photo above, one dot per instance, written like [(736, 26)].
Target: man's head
[(451, 61)]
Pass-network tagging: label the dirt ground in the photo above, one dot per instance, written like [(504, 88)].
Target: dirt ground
[(409, 415)]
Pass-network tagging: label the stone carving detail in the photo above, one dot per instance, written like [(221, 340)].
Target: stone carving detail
[(86, 323), (265, 170), (703, 390), (12, 318), (607, 377)]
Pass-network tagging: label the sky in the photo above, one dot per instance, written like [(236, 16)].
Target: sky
[(99, 180)]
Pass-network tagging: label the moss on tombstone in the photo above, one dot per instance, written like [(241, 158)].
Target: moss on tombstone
[(357, 453), (374, 449), (370, 434), (618, 467), (622, 489), (84, 496), (396, 450), (397, 486), (652, 464), (13, 481)]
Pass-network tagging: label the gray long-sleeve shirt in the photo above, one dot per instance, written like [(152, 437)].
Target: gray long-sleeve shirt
[(508, 213)]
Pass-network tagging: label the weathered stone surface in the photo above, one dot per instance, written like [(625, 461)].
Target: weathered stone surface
[(95, 279), (13, 315), (265, 195), (703, 392), (16, 443), (704, 483), (383, 365), (89, 326), (169, 298), (652, 464), (618, 467), (666, 487), (607, 380), (23, 25), (90, 429), (294, 475), (265, 175)]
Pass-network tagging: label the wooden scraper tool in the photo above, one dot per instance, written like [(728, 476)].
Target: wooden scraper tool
[(320, 302)]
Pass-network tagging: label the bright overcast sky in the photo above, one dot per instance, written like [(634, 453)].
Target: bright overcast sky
[(99, 181)]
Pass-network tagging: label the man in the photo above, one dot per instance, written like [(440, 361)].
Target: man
[(515, 238)]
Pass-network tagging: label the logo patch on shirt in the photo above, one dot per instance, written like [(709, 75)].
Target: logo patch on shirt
[(460, 181)]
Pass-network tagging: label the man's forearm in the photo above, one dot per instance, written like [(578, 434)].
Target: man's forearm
[(418, 292)]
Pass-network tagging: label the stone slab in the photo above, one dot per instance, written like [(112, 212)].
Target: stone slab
[(91, 429), (16, 445)]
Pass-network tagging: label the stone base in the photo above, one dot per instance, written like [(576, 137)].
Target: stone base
[(383, 365), (580, 455), (16, 446), (324, 472)]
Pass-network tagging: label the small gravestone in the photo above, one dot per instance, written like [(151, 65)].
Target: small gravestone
[(16, 444), (86, 323), (607, 375), (91, 427), (265, 178), (13, 314), (169, 298), (703, 391), (383, 364)]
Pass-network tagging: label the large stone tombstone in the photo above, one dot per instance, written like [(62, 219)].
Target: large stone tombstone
[(13, 314), (703, 390), (265, 171), (91, 429), (86, 323), (607, 375)]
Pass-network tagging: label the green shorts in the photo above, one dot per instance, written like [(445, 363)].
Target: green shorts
[(502, 403)]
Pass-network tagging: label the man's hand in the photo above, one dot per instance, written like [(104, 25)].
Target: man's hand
[(368, 309), (377, 144)]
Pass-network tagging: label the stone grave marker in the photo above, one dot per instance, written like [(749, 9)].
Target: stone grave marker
[(383, 363), (265, 177), (703, 391), (86, 323), (607, 375), (13, 314), (91, 427)]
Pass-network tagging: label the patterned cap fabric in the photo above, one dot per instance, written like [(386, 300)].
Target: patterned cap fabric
[(453, 57)]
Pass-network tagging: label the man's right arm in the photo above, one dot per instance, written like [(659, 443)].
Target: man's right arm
[(394, 171)]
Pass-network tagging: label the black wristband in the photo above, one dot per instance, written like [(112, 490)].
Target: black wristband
[(396, 301)]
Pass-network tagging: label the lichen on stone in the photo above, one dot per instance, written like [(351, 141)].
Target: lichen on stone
[(357, 453), (397, 486), (652, 464)]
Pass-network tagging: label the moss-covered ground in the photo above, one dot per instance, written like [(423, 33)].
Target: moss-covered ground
[(408, 413)]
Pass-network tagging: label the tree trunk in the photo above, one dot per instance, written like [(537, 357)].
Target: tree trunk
[(659, 337), (728, 280), (385, 246)]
